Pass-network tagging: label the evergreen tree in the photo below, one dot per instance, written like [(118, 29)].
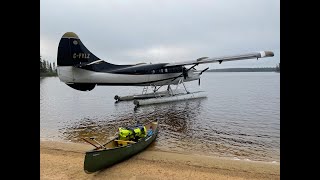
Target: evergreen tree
[(47, 66), (54, 67), (42, 65), (50, 68), (278, 68)]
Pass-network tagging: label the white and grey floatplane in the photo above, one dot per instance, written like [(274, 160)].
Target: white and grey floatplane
[(82, 70)]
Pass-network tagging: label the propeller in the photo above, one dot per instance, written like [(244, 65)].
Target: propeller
[(204, 70), (201, 73)]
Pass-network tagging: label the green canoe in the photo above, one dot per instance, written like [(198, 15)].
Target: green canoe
[(116, 150)]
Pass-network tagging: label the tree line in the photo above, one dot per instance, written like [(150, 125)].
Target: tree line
[(278, 68), (47, 68)]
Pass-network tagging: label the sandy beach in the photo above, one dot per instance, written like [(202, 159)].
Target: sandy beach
[(60, 160)]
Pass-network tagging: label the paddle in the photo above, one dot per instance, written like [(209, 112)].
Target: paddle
[(90, 143), (92, 138)]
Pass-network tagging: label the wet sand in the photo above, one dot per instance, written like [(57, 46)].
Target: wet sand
[(65, 161)]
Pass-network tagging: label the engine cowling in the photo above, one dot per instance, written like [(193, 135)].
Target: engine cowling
[(82, 86)]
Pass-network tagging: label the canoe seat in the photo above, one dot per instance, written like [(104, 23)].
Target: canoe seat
[(124, 143)]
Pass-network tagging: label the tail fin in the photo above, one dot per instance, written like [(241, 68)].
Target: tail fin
[(71, 51)]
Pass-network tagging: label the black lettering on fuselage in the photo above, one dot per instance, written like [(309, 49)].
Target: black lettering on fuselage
[(81, 55)]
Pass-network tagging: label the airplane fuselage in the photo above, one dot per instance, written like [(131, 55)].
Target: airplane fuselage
[(134, 75)]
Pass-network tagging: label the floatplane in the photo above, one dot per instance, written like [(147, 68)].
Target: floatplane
[(81, 70)]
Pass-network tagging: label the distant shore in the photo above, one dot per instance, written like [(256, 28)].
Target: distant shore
[(59, 160), (48, 75)]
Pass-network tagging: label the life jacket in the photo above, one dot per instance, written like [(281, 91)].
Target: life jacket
[(131, 133)]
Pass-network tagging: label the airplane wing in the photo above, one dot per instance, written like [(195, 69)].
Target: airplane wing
[(203, 60)]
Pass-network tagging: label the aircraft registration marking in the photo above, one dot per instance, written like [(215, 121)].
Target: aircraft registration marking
[(81, 55)]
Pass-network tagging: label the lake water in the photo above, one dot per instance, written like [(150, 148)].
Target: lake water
[(240, 118)]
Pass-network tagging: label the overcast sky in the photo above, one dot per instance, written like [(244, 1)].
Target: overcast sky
[(133, 31)]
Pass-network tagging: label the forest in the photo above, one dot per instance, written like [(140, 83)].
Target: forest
[(47, 68)]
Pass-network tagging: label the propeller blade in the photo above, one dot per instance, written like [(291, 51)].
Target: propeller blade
[(185, 73), (204, 70)]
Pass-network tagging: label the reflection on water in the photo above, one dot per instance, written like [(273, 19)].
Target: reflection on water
[(238, 122)]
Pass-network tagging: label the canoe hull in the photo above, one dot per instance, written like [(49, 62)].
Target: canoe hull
[(98, 159)]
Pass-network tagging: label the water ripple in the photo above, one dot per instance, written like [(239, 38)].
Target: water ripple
[(240, 118)]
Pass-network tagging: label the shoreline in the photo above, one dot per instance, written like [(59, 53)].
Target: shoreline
[(192, 153), (64, 160)]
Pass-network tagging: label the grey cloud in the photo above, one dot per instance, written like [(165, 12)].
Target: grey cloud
[(128, 32)]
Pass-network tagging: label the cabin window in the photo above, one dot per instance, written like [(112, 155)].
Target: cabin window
[(166, 70), (153, 71), (161, 70)]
